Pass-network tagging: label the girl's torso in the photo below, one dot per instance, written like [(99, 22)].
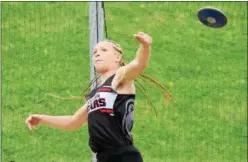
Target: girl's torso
[(110, 118)]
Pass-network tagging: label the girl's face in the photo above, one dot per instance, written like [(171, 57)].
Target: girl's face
[(105, 57)]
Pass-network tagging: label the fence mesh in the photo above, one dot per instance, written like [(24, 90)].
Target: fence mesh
[(45, 50)]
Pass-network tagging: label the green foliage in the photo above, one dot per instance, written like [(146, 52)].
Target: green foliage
[(45, 49)]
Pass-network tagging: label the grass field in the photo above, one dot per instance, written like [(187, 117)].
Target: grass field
[(45, 49)]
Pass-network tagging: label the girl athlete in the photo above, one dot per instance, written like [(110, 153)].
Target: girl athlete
[(109, 108)]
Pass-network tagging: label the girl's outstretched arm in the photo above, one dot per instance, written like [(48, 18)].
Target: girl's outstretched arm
[(59, 122)]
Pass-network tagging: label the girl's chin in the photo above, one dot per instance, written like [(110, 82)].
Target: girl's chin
[(99, 68)]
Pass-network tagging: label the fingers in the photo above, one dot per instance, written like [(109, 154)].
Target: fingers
[(138, 37), (31, 127), (29, 122), (140, 33), (143, 38), (29, 119)]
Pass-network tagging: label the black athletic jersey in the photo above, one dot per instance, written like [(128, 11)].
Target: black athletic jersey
[(110, 118)]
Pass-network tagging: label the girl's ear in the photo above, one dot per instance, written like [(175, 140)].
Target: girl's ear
[(118, 60)]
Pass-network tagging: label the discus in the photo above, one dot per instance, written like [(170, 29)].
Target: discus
[(212, 17)]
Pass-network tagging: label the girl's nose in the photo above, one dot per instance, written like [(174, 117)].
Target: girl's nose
[(97, 55)]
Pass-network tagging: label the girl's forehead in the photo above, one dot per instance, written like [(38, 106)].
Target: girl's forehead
[(104, 44)]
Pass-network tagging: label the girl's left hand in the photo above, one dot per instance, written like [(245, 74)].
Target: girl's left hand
[(143, 38)]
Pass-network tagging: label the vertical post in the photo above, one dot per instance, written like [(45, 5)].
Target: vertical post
[(100, 24), (1, 84), (93, 37), (96, 24)]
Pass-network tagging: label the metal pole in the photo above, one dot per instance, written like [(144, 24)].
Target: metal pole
[(96, 24), (96, 20), (100, 24), (1, 83), (93, 37)]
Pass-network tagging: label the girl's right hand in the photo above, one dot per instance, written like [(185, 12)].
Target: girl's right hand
[(33, 120)]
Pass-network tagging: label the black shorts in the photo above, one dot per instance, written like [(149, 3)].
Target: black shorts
[(124, 154)]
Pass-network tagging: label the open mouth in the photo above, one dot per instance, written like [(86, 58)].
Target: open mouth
[(98, 61)]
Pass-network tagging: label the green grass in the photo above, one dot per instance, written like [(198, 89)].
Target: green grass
[(45, 49)]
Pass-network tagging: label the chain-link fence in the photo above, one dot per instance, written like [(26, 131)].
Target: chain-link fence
[(45, 50)]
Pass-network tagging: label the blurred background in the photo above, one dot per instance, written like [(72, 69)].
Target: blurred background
[(45, 50)]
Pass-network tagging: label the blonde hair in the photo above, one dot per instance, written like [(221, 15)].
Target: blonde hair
[(167, 95), (139, 85), (117, 48)]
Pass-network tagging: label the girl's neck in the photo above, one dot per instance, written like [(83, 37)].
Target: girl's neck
[(104, 76)]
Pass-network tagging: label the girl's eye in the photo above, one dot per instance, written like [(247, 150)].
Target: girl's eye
[(104, 49)]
